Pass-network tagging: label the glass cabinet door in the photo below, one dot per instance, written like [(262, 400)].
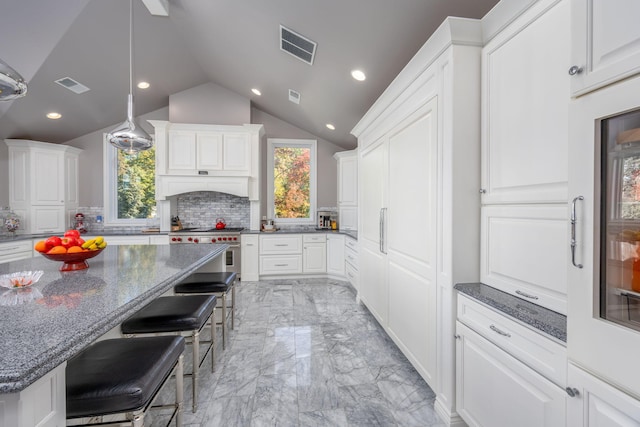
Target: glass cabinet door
[(620, 219)]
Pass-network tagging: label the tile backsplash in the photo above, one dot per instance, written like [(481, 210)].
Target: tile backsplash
[(201, 209), (197, 209)]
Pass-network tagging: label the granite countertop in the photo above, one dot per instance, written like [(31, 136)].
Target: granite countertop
[(5, 238), (350, 233), (534, 316), (46, 324)]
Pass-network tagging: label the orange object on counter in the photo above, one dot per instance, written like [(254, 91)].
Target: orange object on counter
[(635, 275)]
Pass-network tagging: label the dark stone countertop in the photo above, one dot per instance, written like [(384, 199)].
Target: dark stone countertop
[(531, 315), (47, 323)]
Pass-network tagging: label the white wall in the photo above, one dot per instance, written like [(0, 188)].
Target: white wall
[(209, 103), (327, 166), (91, 167)]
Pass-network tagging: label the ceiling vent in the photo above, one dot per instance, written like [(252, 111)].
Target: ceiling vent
[(294, 96), (72, 85), (297, 45)]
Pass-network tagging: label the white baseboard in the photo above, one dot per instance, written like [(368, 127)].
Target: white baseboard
[(451, 419)]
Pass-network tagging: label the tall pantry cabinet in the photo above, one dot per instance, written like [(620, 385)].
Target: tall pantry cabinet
[(43, 184), (418, 166)]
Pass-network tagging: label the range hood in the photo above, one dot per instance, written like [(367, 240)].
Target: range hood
[(167, 186)]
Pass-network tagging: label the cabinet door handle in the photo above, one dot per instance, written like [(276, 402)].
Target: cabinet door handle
[(573, 231), (572, 392), (383, 237), (498, 331), (526, 295)]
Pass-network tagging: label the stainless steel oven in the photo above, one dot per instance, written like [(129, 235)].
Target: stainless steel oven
[(229, 236)]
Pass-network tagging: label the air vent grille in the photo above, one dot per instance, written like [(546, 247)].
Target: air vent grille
[(72, 85), (294, 96), (297, 45)]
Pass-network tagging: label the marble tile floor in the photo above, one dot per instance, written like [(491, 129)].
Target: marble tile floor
[(304, 353)]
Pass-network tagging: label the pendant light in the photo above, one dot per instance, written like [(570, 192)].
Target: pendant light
[(129, 136), (12, 85)]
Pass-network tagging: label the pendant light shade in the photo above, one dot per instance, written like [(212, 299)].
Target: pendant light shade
[(129, 136), (12, 85)]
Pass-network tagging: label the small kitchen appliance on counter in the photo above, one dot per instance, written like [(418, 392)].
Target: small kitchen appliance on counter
[(327, 220)]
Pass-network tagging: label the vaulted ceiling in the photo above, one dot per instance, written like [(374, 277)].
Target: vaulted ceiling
[(233, 43)]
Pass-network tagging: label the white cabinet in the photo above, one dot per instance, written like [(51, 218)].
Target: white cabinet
[(418, 227), (250, 255), (281, 254), (335, 255), (43, 184), (14, 251), (347, 189), (194, 149), (133, 239), (41, 404), (603, 347), (159, 240), (525, 105), (597, 404), (351, 261), (507, 374), (605, 42), (314, 253), (516, 241), (496, 390)]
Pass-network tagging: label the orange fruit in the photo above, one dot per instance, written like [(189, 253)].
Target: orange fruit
[(57, 250), (74, 250), (41, 246)]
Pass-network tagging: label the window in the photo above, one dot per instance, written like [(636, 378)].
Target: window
[(291, 180), (129, 186)]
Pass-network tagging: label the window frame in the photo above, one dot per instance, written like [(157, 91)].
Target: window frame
[(110, 189), (273, 143)]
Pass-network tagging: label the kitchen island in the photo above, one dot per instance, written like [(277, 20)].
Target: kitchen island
[(46, 324)]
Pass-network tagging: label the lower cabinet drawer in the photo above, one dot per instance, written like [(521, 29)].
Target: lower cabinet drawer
[(282, 264), (351, 257), (540, 353), (282, 244), (352, 274), (15, 251), (495, 389)]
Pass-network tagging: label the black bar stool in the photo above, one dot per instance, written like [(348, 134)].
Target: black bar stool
[(219, 284), (121, 378), (178, 315)]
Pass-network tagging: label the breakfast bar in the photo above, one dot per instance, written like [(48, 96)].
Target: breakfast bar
[(47, 323)]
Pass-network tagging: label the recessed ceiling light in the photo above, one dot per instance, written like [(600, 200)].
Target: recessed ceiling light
[(330, 126), (53, 115), (358, 75), (143, 85), (256, 91)]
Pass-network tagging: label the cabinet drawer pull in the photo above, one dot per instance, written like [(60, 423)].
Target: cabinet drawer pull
[(496, 330), (249, 244), (526, 295), (281, 265), (281, 244)]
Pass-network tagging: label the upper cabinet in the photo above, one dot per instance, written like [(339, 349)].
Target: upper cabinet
[(605, 43), (187, 149), (347, 189), (43, 184), (525, 105)]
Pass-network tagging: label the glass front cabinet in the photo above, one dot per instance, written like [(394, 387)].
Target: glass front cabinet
[(603, 313)]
